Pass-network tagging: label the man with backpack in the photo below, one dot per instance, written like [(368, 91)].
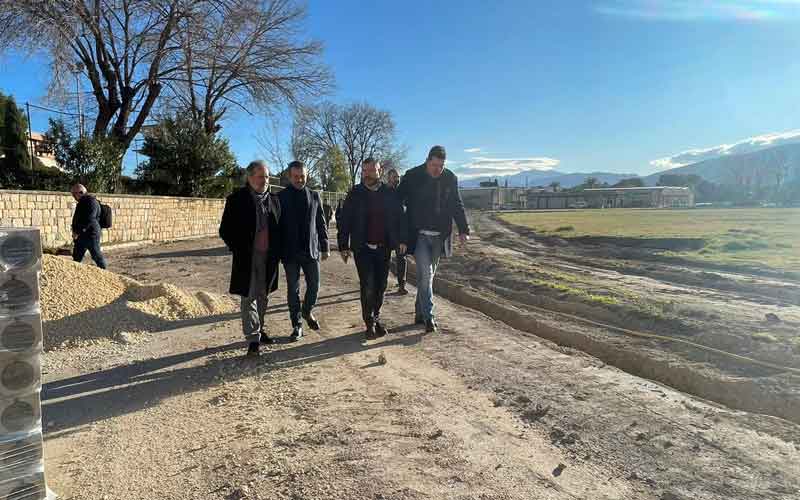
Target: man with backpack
[(86, 229)]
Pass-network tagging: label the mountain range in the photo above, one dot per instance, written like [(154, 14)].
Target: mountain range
[(766, 167), (546, 177)]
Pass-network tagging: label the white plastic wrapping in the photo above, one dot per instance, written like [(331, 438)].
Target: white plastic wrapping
[(29, 485), (19, 373), (21, 452), (21, 333), (19, 292), (20, 249), (20, 414)]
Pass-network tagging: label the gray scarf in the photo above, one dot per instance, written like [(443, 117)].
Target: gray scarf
[(262, 208)]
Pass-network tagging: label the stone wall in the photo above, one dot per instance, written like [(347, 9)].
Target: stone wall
[(136, 218)]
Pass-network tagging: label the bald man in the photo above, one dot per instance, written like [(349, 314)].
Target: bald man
[(86, 227)]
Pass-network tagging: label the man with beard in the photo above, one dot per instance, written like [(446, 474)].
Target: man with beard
[(249, 228), (304, 239), (371, 226), (430, 195)]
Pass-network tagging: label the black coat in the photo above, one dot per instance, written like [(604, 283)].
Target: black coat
[(418, 209), (291, 223), (238, 231), (86, 219), (353, 224)]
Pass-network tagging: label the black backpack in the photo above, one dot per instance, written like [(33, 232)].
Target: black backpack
[(106, 216)]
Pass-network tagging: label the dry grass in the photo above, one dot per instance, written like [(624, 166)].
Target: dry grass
[(755, 236)]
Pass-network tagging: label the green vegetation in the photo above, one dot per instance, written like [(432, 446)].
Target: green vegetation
[(96, 163), (748, 236), (581, 294), (765, 337), (14, 156), (185, 160)]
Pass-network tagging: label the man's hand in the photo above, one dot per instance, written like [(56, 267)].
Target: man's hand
[(463, 238), (402, 248), (325, 255), (345, 255)]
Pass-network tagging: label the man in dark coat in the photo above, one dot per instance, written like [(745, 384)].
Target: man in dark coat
[(430, 195), (86, 230), (304, 241), (328, 211), (393, 182), (372, 226), (250, 230)]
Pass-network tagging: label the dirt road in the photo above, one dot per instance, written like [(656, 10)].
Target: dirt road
[(478, 411), (681, 306)]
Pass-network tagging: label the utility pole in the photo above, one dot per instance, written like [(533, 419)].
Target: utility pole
[(30, 143), (77, 69)]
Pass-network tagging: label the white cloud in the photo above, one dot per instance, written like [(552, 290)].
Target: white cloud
[(472, 150), (482, 166), (748, 145), (695, 10)]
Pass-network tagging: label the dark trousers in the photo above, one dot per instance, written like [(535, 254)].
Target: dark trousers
[(310, 269), (91, 243), (400, 268), (373, 274)]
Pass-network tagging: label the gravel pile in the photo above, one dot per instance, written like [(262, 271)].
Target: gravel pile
[(82, 303)]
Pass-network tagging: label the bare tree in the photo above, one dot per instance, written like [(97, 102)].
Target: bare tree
[(246, 56), (365, 132), (210, 54), (275, 150), (358, 130), (124, 48)]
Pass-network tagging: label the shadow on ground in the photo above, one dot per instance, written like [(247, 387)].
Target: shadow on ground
[(202, 252), (81, 400), (119, 317)]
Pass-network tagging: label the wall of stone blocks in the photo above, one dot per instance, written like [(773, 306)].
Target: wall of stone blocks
[(136, 218)]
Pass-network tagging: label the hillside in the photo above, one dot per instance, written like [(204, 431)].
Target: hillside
[(767, 167)]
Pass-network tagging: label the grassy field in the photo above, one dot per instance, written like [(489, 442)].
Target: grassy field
[(753, 237)]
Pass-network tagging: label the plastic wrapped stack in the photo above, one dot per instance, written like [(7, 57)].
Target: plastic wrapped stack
[(21, 445)]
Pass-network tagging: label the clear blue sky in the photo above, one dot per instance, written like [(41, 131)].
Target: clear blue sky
[(607, 85)]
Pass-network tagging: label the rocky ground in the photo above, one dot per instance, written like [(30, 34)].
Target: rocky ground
[(477, 411)]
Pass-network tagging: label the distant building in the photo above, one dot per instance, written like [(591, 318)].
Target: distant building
[(494, 198), (43, 150), (633, 197)]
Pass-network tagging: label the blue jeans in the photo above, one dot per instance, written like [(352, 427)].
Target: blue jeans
[(91, 243), (310, 269), (429, 250)]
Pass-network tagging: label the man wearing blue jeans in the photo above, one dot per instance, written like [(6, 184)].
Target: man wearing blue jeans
[(86, 230), (430, 195), (304, 241)]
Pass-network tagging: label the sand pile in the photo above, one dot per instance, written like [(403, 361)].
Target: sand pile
[(171, 303), (69, 288), (81, 303)]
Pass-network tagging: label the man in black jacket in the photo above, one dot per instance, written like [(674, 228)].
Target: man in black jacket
[(250, 229), (371, 226), (304, 241), (86, 227), (430, 195), (393, 182)]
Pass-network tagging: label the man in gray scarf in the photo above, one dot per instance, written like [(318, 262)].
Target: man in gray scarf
[(250, 230)]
